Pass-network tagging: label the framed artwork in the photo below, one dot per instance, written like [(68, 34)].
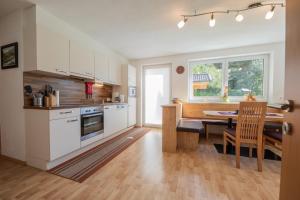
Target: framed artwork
[(9, 56)]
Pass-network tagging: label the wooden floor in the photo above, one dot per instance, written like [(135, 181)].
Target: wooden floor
[(144, 172)]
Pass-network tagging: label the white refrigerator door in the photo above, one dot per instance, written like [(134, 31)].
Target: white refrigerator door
[(131, 111)]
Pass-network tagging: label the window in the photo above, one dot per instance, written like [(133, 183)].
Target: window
[(239, 76)]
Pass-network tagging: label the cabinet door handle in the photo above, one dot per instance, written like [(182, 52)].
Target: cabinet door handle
[(73, 120), (61, 71), (67, 112)]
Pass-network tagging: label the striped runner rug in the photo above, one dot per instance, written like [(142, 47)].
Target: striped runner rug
[(84, 165)]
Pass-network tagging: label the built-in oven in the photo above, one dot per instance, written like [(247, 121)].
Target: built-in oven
[(132, 91), (92, 122)]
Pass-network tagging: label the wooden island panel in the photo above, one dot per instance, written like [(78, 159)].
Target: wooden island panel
[(171, 116)]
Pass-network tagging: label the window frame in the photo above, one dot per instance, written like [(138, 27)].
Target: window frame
[(225, 76)]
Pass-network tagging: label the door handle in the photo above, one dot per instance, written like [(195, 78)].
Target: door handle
[(70, 121), (286, 128), (67, 112)]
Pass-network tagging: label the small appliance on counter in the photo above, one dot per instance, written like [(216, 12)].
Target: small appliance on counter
[(122, 98)]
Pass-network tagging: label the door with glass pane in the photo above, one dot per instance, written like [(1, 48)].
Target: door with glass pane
[(157, 92)]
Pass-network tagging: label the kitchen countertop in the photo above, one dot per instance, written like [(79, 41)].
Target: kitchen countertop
[(68, 106)]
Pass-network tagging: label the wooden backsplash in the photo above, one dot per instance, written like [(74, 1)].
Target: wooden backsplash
[(72, 90)]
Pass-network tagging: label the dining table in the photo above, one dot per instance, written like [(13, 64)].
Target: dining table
[(233, 115)]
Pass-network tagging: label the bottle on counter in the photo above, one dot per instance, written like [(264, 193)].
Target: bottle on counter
[(56, 94)]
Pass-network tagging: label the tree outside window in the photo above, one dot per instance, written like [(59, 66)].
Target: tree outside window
[(241, 75)]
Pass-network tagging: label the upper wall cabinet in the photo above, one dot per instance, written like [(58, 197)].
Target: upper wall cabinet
[(81, 60), (131, 75), (44, 49), (101, 67), (52, 51), (115, 70)]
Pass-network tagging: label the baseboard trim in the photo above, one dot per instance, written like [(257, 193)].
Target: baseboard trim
[(12, 160)]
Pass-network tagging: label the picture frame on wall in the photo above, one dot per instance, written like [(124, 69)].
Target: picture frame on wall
[(9, 56)]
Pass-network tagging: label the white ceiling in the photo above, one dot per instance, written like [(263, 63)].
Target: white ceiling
[(147, 28)]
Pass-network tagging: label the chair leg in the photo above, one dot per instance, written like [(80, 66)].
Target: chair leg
[(225, 144), (250, 150), (237, 154), (259, 157)]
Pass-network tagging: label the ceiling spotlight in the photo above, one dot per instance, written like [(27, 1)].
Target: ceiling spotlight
[(270, 13), (212, 21), (239, 17), (181, 24)]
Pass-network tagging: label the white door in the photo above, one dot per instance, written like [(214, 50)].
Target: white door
[(157, 92)]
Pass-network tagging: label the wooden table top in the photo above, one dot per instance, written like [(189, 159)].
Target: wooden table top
[(231, 114)]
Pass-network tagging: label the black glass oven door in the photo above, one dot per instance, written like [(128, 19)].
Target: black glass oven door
[(91, 125)]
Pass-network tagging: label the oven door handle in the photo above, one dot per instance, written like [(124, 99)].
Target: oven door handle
[(92, 115), (90, 124)]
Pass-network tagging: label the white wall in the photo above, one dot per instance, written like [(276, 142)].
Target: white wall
[(180, 82), (11, 92)]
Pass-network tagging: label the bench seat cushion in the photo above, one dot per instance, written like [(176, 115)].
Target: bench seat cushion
[(217, 122), (190, 125), (273, 126)]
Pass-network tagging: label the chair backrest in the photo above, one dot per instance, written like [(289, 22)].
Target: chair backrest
[(251, 121)]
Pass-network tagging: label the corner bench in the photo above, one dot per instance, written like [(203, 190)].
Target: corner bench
[(188, 131)]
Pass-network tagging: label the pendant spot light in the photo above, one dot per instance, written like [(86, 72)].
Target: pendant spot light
[(181, 23), (270, 13), (239, 17), (212, 21)]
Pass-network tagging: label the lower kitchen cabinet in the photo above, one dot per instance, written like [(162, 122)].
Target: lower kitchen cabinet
[(51, 134), (115, 119), (64, 136)]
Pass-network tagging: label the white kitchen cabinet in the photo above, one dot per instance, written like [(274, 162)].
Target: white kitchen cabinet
[(109, 120), (115, 70), (122, 116), (131, 75), (129, 80), (50, 135), (44, 49), (101, 67), (64, 136), (115, 119), (81, 60), (131, 111), (52, 51)]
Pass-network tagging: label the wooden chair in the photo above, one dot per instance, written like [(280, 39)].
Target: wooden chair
[(249, 130)]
